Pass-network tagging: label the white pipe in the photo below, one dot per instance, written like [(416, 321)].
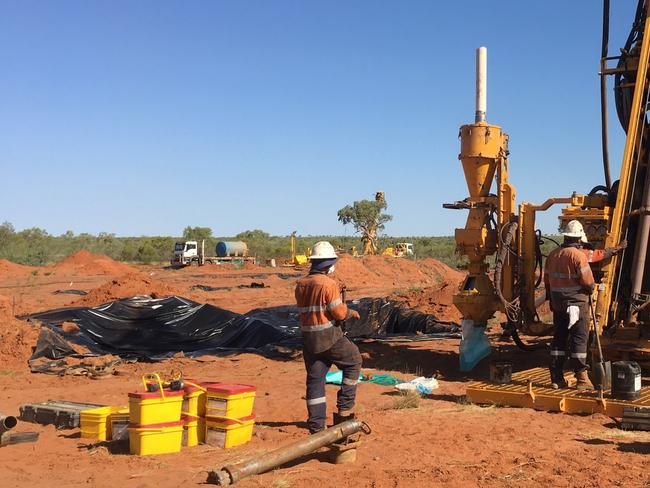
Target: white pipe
[(481, 84)]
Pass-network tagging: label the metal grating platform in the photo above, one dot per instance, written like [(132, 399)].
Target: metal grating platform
[(531, 389)]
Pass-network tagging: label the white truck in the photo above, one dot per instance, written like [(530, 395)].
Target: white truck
[(192, 253)]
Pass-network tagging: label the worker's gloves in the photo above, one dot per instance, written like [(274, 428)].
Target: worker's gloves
[(353, 314), (622, 245), (574, 315)]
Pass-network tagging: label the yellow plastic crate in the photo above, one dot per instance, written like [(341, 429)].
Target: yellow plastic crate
[(193, 399), (156, 407), (163, 438), (119, 422), (228, 432), (229, 400), (191, 431), (95, 423)]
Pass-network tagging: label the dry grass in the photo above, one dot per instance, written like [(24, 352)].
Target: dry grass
[(280, 483), (616, 434), (407, 399)]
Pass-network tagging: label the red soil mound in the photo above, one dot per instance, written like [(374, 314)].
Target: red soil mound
[(435, 300), (440, 282), (390, 271), (88, 263), (17, 337), (8, 268), (124, 286)]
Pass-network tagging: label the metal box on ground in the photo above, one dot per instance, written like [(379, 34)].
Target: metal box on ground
[(60, 413)]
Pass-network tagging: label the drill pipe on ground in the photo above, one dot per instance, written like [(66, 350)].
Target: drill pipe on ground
[(7, 422), (232, 473)]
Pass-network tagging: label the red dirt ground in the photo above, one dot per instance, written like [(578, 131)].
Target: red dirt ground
[(443, 442)]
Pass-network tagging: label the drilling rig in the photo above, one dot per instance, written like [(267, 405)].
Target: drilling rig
[(609, 213)]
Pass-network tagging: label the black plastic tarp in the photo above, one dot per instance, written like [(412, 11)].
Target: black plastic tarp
[(379, 318), (143, 327), (147, 328)]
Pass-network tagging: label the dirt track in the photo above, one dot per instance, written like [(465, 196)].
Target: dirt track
[(444, 442)]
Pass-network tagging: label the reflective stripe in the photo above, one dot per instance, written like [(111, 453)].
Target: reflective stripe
[(590, 256), (584, 269), (557, 353), (334, 303), (320, 308), (316, 401), (313, 308), (563, 276), (316, 328), (565, 289), (347, 381), (579, 355)]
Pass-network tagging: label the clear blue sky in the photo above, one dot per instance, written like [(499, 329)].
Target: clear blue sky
[(142, 117)]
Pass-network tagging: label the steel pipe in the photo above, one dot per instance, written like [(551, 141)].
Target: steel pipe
[(641, 246), (7, 422), (481, 85), (230, 474)]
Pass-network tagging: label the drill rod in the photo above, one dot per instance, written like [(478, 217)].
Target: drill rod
[(232, 473)]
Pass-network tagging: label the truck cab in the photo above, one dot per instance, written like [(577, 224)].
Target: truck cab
[(185, 253)]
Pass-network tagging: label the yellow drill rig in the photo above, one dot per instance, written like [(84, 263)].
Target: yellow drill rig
[(609, 213)]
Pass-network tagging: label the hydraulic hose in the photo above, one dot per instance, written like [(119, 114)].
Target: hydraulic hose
[(511, 309), (603, 94), (538, 257), (522, 345), (598, 188), (623, 84)]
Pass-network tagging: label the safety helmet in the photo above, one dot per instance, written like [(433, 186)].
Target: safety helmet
[(323, 250), (575, 229)]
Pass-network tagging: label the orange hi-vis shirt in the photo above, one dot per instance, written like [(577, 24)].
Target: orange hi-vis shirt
[(320, 306), (598, 255), (568, 277)]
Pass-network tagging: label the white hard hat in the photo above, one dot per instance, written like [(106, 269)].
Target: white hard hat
[(323, 250), (575, 229)]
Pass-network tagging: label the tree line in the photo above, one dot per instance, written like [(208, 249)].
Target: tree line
[(37, 247)]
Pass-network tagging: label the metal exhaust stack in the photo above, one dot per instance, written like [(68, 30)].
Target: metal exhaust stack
[(481, 85)]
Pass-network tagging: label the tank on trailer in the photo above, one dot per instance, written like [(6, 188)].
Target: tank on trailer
[(231, 249)]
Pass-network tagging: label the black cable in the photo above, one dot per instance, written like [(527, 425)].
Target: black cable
[(522, 345), (598, 188), (538, 257), (550, 239), (603, 95), (623, 83)]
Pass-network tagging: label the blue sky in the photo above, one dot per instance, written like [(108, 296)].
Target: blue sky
[(139, 118)]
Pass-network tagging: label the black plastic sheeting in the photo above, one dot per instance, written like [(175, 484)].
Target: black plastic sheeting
[(379, 318), (154, 329)]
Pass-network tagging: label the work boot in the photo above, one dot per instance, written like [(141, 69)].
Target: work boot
[(557, 378), (342, 416), (583, 381)]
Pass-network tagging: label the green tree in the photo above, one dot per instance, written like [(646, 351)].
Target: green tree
[(196, 233), (253, 235), (368, 219), (7, 232)]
